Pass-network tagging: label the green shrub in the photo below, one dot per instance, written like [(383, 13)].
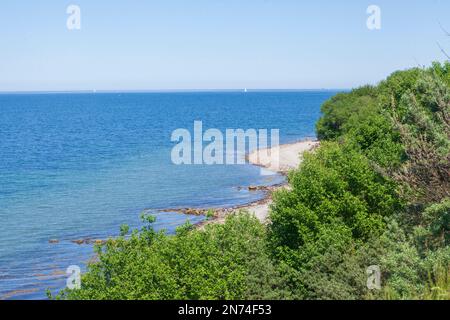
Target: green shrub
[(319, 227), (434, 229), (423, 119), (228, 261), (336, 185), (340, 108)]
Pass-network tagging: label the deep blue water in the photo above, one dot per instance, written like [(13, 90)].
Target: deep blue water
[(79, 165)]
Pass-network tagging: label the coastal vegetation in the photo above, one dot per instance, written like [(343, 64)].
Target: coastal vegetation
[(375, 193)]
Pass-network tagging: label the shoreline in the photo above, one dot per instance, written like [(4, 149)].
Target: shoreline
[(290, 156)]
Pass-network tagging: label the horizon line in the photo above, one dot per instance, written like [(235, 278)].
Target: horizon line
[(243, 90)]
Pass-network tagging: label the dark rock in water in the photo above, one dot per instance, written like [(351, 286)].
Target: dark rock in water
[(255, 188), (53, 241), (194, 212), (89, 241), (190, 211), (259, 188)]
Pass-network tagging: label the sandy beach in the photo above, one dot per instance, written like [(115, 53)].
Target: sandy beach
[(290, 157)]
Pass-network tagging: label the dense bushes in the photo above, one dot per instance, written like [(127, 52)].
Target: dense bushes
[(336, 204), (388, 138), (340, 108), (423, 120), (376, 192), (404, 129), (228, 261), (336, 195)]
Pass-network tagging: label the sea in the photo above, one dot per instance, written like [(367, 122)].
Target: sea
[(76, 166)]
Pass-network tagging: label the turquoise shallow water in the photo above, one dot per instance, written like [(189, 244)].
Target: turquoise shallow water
[(78, 166)]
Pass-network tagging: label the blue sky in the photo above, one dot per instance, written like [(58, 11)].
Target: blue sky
[(214, 44)]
